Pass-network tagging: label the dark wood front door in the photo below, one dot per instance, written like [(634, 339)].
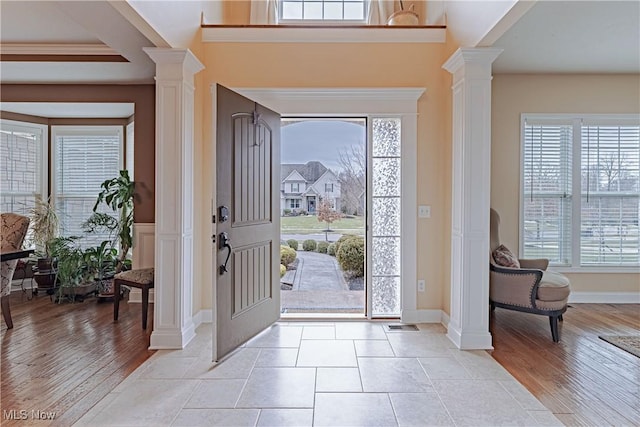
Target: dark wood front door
[(247, 296)]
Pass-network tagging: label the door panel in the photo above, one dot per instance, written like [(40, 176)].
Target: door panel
[(248, 185)]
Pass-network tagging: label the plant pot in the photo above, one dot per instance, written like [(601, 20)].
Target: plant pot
[(79, 292), (45, 279), (404, 18), (46, 264)]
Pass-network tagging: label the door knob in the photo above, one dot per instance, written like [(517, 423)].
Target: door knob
[(225, 242)]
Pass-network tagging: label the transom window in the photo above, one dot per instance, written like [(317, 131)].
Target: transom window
[(581, 190), (354, 11)]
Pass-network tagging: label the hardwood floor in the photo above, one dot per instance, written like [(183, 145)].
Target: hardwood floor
[(582, 379), (64, 358)]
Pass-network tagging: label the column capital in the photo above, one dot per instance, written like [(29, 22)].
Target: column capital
[(481, 56), (188, 62)]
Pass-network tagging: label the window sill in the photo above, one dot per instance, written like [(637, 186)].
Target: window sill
[(596, 270), (322, 34)]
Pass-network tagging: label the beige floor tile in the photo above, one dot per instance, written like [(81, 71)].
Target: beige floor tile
[(273, 357), (522, 395), (373, 348), (285, 418), (216, 417), (219, 393), (319, 333), (545, 418), (360, 331), (147, 403), (480, 403), (277, 336), (335, 353), (419, 345), (444, 368), (393, 375), (353, 409), (236, 366), (419, 409), (87, 419), (481, 365), (168, 367), (338, 380), (279, 388)]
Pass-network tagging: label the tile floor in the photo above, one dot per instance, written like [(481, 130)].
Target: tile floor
[(322, 374)]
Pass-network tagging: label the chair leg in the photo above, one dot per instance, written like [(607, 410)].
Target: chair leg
[(560, 318), (116, 299), (145, 306), (493, 306), (6, 311), (553, 321)]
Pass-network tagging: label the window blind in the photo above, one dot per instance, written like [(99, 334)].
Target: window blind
[(21, 166), (84, 159), (610, 177), (547, 183)]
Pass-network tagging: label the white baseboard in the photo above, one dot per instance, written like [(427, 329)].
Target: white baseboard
[(444, 319), (605, 297), (203, 316), (421, 316)]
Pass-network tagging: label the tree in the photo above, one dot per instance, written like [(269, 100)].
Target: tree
[(353, 163), (327, 214)]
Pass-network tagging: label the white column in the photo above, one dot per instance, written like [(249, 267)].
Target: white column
[(172, 322), (469, 318)]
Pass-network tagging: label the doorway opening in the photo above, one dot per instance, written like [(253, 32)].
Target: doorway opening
[(323, 209)]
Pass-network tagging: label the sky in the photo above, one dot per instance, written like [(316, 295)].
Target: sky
[(319, 140)]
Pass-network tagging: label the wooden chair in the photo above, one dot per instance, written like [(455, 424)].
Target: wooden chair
[(141, 279)]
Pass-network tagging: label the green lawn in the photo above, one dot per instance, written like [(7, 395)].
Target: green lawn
[(311, 225)]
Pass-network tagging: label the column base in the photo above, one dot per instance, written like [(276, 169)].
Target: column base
[(172, 338), (469, 340)]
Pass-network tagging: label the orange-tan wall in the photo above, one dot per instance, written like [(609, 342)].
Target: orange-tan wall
[(516, 94), (317, 65)]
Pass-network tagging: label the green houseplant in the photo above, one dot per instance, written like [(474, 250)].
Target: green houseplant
[(117, 193), (45, 225)]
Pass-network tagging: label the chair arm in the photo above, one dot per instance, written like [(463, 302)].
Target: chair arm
[(514, 286), (539, 264)]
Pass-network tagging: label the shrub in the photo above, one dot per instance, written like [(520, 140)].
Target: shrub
[(309, 245), (286, 212), (343, 239), (293, 244), (350, 256), (287, 255), (283, 270), (322, 247), (331, 249)]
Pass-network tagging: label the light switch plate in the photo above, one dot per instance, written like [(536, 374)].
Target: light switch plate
[(421, 285), (424, 211)]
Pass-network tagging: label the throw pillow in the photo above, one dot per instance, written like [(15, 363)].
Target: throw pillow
[(504, 257)]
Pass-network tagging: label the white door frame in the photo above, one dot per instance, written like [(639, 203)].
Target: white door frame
[(373, 102)]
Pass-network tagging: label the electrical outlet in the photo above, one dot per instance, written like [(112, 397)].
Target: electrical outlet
[(424, 211), (420, 285)]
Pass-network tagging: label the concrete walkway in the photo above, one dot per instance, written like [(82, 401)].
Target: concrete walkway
[(318, 286)]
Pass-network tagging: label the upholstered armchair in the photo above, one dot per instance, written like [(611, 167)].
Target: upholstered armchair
[(13, 229), (525, 285)]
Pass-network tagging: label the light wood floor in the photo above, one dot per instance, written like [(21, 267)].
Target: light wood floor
[(66, 357), (582, 379)]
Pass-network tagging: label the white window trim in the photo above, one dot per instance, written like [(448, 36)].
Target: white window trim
[(321, 22), (43, 155), (579, 120), (369, 102)]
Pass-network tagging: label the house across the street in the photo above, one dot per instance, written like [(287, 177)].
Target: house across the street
[(303, 186)]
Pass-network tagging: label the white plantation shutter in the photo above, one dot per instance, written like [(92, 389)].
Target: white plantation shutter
[(610, 170), (547, 182), (84, 157), (581, 190)]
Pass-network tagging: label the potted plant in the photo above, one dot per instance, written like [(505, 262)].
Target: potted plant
[(117, 193), (45, 225), (101, 261)]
